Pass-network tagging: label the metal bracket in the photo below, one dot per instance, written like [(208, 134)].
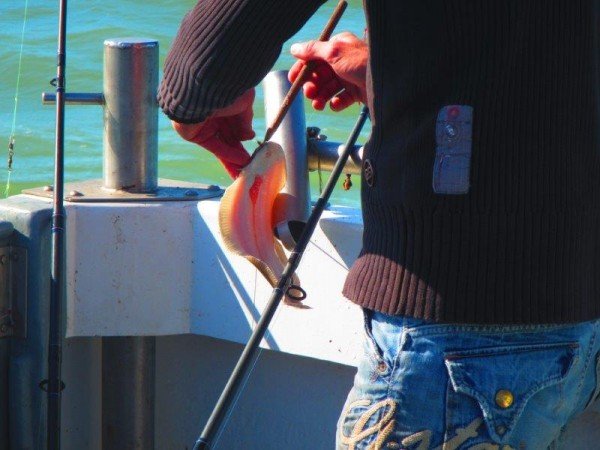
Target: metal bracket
[(13, 292)]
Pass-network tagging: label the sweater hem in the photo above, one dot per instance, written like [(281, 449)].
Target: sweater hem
[(478, 268)]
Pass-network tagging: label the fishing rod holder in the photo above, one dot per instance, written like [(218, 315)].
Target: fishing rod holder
[(130, 170), (305, 150), (130, 142), (75, 98), (322, 154), (291, 135)]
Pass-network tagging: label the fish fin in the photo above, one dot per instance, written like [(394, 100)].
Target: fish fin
[(225, 210)]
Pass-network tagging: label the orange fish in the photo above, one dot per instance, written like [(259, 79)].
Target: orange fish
[(247, 212)]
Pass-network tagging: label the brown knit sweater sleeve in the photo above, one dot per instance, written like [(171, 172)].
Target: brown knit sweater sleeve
[(222, 49)]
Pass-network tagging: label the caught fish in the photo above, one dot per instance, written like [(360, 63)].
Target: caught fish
[(247, 212)]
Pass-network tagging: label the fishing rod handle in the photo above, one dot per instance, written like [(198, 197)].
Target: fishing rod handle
[(304, 73)]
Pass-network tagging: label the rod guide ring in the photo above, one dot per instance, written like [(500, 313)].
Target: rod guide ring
[(295, 293)]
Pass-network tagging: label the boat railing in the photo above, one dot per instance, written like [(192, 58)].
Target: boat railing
[(130, 163)]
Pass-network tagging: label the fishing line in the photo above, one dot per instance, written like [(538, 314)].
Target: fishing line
[(11, 139), (319, 172)]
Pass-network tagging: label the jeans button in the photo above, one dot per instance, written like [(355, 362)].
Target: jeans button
[(504, 398), (382, 367)]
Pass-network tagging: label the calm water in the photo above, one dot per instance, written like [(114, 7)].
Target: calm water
[(90, 22)]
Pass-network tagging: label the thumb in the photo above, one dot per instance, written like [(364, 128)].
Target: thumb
[(246, 131), (310, 50)]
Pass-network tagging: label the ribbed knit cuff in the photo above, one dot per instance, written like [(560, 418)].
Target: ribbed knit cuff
[(222, 49), (521, 267)]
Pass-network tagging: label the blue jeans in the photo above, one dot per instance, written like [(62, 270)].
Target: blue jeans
[(423, 385)]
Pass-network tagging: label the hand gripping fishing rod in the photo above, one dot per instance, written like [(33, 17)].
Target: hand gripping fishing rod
[(233, 384), (53, 384), (305, 72)]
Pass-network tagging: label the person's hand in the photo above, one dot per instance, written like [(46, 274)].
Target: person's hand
[(339, 75), (223, 132)]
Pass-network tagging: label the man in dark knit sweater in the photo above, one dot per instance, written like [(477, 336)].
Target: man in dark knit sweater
[(481, 201)]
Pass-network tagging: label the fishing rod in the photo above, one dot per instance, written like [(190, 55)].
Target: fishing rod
[(53, 384), (243, 365), (230, 391)]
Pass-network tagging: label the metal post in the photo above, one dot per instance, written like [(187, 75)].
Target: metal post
[(130, 114), (324, 154), (291, 135), (128, 373), (131, 164)]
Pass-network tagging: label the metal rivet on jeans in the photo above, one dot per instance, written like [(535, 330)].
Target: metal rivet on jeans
[(382, 366), (504, 398)]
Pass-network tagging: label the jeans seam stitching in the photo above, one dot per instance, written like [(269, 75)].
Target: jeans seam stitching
[(393, 368), (586, 365), (444, 329), (508, 349)]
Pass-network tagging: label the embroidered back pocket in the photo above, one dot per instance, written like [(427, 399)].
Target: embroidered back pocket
[(503, 379), (453, 133)]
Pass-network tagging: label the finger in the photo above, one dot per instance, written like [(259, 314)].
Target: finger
[(320, 95), (194, 132), (228, 153), (322, 72), (310, 50), (221, 132), (232, 169), (310, 90), (328, 90), (319, 104), (342, 101), (244, 120), (295, 71), (233, 130)]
